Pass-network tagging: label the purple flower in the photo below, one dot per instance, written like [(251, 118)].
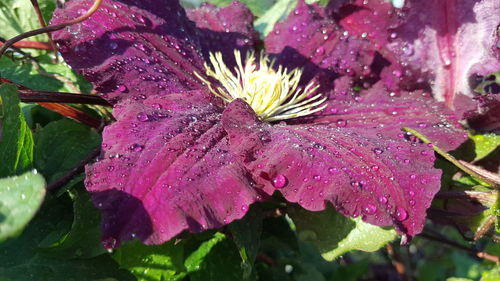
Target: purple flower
[(204, 129)]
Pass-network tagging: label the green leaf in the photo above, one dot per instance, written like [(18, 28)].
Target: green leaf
[(335, 234), (23, 72), (277, 12), (493, 275), (16, 140), (18, 16), (22, 260), (257, 7), (246, 234), (215, 260), (485, 144), (20, 198), (84, 238), (159, 262), (61, 145)]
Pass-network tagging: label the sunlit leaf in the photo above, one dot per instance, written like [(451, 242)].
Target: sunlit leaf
[(20, 198), (335, 234), (16, 140)]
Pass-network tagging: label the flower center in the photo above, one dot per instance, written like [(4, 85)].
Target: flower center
[(273, 94)]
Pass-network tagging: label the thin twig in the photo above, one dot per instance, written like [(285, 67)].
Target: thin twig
[(475, 172), (43, 24), (479, 254), (54, 186), (396, 262), (50, 28), (486, 198)]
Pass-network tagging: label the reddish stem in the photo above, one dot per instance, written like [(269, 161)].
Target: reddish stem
[(31, 45)]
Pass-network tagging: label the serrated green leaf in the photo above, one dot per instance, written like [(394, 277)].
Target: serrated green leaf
[(485, 144), (22, 260), (20, 198), (18, 16), (335, 234), (159, 262), (16, 140), (61, 145), (215, 260), (84, 238)]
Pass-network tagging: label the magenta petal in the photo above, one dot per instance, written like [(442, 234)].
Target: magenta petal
[(232, 25), (132, 48), (166, 168), (387, 181), (442, 41), (388, 113), (309, 39)]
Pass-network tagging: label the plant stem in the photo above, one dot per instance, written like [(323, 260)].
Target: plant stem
[(31, 45), (79, 168), (50, 28), (57, 97), (43, 24), (479, 254), (475, 172), (396, 262)]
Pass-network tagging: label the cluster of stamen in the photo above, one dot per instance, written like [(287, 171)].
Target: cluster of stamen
[(274, 94)]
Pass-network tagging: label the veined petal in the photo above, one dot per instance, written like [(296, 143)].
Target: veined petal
[(166, 168), (311, 40), (129, 49), (387, 113), (387, 181), (445, 42), (232, 25)]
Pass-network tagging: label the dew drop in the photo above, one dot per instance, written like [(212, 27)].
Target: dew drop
[(317, 177), (122, 88), (382, 199), (113, 45), (280, 181), (109, 243), (341, 123), (136, 147), (333, 170), (370, 209), (401, 214), (143, 117)]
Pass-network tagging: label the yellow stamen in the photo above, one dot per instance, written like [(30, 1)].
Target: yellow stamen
[(272, 93)]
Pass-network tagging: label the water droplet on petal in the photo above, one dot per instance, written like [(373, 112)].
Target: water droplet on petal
[(382, 199), (341, 123), (280, 181), (143, 117), (370, 209), (136, 147), (401, 214)]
